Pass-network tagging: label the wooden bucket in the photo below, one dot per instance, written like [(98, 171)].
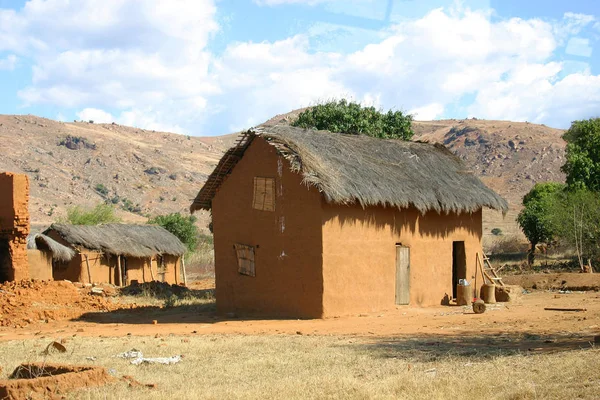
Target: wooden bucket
[(488, 293), (464, 295)]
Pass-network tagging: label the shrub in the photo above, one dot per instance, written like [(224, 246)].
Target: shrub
[(101, 189), (497, 232), (101, 214)]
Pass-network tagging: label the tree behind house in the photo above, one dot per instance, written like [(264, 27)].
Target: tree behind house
[(582, 164), (180, 226), (535, 219), (348, 117)]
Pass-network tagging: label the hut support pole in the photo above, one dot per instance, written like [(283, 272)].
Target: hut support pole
[(119, 276), (176, 273), (183, 270), (87, 262), (151, 272)]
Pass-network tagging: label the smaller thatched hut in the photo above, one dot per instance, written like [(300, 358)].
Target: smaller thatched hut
[(42, 252), (118, 253)]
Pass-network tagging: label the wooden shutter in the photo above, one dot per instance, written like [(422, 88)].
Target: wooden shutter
[(245, 258), (264, 194)]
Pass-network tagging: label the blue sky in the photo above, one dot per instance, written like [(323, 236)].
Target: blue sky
[(209, 67)]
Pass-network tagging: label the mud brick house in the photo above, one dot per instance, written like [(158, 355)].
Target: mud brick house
[(14, 226), (315, 224), (118, 253), (43, 252)]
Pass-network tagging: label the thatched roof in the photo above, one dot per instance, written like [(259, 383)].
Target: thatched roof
[(121, 239), (350, 169), (39, 241)]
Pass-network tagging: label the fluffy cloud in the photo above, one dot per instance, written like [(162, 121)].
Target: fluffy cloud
[(96, 115), (132, 56), (151, 66)]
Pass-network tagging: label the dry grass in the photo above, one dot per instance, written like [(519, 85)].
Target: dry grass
[(223, 367)]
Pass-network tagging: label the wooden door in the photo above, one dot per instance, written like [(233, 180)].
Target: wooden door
[(402, 275)]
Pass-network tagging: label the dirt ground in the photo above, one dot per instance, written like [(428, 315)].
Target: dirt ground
[(524, 317), (556, 281)]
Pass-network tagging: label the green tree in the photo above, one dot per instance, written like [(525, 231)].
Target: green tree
[(535, 219), (181, 226), (101, 214), (576, 220), (583, 154), (349, 117)]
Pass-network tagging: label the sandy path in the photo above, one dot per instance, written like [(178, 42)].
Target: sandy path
[(526, 316)]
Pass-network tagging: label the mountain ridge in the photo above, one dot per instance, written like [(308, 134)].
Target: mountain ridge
[(146, 173)]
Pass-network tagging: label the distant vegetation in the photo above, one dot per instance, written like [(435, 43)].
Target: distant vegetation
[(349, 117), (101, 189), (101, 214), (569, 214)]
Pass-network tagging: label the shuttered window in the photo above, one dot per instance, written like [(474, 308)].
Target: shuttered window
[(264, 194), (245, 259)]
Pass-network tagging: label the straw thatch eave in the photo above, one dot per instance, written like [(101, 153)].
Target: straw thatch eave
[(59, 252), (130, 240), (351, 169)]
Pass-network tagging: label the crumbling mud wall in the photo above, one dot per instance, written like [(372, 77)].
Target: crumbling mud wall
[(14, 226)]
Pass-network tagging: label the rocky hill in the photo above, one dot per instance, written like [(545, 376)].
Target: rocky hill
[(142, 172), (509, 157), (148, 173)]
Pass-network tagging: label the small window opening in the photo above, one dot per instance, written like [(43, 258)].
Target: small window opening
[(264, 194), (245, 258)]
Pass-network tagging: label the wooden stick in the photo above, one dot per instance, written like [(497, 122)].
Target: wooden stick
[(119, 276), (88, 268), (143, 273), (183, 268), (151, 273), (564, 309)]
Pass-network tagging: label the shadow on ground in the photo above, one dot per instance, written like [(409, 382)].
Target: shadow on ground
[(435, 347)]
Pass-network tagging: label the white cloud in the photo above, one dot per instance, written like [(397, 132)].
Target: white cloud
[(96, 115), (281, 2), (8, 63), (427, 112), (127, 55), (542, 101), (572, 24)]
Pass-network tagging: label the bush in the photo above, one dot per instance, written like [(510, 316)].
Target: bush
[(497, 232), (507, 245), (101, 214), (180, 226), (352, 118), (101, 189)]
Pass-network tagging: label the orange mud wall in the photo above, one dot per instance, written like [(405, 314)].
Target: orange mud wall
[(40, 264), (14, 226), (287, 241), (165, 270), (359, 255)]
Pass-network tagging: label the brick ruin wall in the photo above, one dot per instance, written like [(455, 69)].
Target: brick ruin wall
[(14, 226)]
